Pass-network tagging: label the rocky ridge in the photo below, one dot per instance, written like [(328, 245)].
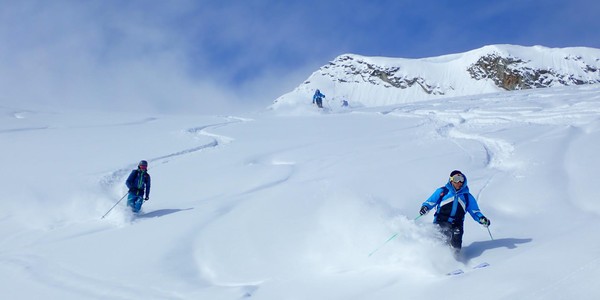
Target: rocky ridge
[(512, 73), (375, 81)]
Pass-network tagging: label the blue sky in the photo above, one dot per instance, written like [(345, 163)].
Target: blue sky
[(205, 56)]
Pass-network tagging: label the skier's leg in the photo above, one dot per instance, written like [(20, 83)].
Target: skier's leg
[(456, 243), (456, 240), (131, 199), (137, 205), (446, 230)]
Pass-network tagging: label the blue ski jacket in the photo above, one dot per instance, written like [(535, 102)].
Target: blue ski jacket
[(138, 182), (451, 205), (318, 95)]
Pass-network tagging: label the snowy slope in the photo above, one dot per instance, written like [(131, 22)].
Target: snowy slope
[(377, 81), (275, 205)]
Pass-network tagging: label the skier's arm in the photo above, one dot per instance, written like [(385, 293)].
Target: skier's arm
[(148, 187), (433, 200), (129, 181), (473, 208)]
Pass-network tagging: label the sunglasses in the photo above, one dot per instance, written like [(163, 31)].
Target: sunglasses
[(457, 178), (143, 167)]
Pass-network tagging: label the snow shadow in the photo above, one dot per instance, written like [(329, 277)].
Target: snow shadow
[(161, 212), (475, 249)]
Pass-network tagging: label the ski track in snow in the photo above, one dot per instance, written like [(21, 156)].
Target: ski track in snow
[(566, 281), (55, 275), (117, 176), (23, 129), (221, 207), (501, 110), (22, 115)]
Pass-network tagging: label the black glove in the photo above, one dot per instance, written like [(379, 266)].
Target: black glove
[(485, 221), (147, 198), (423, 210)]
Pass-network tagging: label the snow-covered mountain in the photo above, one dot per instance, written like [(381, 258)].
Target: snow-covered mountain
[(489, 69)]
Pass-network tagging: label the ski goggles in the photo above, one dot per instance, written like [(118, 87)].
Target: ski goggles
[(457, 178)]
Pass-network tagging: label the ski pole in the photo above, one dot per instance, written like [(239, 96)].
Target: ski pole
[(488, 228), (391, 238), (114, 205)]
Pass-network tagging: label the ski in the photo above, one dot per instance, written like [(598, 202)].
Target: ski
[(461, 271), (455, 272)]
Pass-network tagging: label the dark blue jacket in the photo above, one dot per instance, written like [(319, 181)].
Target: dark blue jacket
[(138, 182), (318, 95), (452, 206)]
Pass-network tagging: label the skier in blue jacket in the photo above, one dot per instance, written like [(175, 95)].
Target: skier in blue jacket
[(452, 202), (138, 184), (318, 98)]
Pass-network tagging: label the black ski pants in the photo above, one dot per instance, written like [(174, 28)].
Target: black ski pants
[(453, 234)]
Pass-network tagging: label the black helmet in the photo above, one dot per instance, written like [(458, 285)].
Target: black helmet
[(456, 172), (457, 176), (143, 163)]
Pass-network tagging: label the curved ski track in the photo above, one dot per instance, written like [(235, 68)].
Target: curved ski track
[(216, 140)]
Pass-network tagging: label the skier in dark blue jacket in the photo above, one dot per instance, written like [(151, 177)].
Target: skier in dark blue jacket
[(138, 184), (452, 202), (318, 98)]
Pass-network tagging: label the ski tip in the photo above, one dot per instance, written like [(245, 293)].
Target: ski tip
[(481, 265), (461, 271), (455, 272)]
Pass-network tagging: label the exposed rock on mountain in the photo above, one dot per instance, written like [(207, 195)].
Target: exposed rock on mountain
[(358, 71), (512, 73)]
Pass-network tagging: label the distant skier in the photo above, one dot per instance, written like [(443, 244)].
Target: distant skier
[(344, 103), (452, 202), (138, 184), (318, 98)]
